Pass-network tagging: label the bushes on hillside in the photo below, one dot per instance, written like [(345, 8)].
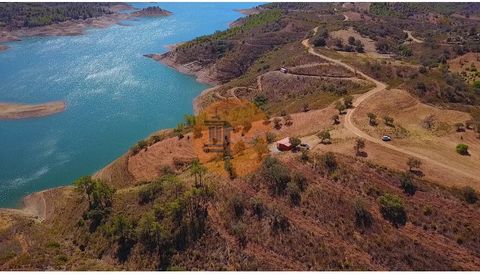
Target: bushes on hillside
[(99, 196), (469, 195), (325, 162), (149, 192), (363, 217), (406, 183), (279, 223), (276, 175), (392, 209)]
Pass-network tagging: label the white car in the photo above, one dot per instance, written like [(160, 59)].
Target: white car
[(386, 138)]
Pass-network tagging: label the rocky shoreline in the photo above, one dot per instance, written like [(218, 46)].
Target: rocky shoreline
[(201, 73)]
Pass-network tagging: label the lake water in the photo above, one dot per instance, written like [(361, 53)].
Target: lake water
[(115, 96)]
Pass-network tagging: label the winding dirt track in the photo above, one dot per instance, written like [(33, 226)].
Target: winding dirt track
[(379, 86)]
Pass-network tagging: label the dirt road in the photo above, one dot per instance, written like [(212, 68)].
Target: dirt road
[(409, 33), (379, 86)]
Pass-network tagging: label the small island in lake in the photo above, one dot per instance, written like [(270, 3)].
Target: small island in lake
[(152, 11), (20, 111)]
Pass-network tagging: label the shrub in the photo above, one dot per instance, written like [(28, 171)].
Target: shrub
[(348, 101), (363, 217), (392, 209), (271, 137), (277, 123), (469, 195), (246, 126), (388, 120), (288, 120), (260, 101), (142, 144), (276, 175), (372, 119), (293, 192), (261, 147), (239, 229), (328, 162), (319, 42), (335, 119), (300, 181), (257, 207), (462, 149), (149, 192), (295, 142), (359, 145), (406, 182), (279, 222), (413, 163), (340, 107), (238, 147), (237, 206), (324, 136), (305, 156)]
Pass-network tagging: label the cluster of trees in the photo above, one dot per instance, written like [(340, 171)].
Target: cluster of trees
[(372, 119), (320, 39), (352, 45), (345, 104), (281, 181), (177, 219), (99, 196), (17, 15)]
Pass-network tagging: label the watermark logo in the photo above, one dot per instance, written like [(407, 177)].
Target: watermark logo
[(219, 132)]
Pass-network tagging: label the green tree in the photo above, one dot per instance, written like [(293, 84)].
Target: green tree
[(277, 123), (324, 136), (388, 120), (363, 217), (462, 149), (413, 163), (359, 145), (406, 182), (271, 137), (276, 175), (261, 147), (348, 101), (293, 192), (190, 120), (351, 40), (198, 170), (372, 119), (327, 162), (336, 119), (340, 107), (295, 142), (392, 209)]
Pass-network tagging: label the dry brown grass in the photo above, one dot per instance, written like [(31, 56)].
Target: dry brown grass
[(464, 65), (438, 143)]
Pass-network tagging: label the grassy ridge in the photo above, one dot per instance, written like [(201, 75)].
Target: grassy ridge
[(251, 22)]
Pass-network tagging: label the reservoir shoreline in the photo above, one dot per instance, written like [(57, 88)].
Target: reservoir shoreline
[(36, 205)]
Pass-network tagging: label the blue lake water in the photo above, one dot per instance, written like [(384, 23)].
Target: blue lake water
[(114, 95)]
